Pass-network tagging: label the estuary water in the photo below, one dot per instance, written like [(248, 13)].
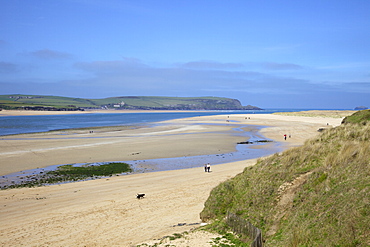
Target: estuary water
[(10, 125), (243, 152)]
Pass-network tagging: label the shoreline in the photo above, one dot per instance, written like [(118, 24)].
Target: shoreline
[(194, 136), (106, 211), (123, 143), (107, 144), (256, 146), (322, 113)]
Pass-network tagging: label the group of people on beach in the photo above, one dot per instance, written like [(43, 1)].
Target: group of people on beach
[(207, 167), (289, 136)]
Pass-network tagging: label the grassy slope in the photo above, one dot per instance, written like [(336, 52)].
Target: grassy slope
[(52, 101), (153, 101), (138, 101), (360, 117), (314, 195)]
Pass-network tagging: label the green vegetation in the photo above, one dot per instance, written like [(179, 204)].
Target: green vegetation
[(360, 117), (314, 195), (35, 102), (55, 103), (91, 170), (69, 173), (228, 239), (165, 240)]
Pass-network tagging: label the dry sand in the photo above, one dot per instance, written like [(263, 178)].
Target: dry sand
[(105, 212)]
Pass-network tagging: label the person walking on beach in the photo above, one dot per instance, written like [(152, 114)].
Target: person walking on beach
[(208, 167), (285, 137), (205, 167)]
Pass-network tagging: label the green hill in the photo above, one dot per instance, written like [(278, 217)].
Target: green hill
[(360, 117), (314, 195), (39, 102)]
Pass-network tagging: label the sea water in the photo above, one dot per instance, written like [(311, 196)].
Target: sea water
[(10, 125)]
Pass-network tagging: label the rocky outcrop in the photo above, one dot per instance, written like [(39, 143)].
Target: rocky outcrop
[(359, 108)]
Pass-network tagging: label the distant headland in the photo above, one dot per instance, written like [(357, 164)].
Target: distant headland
[(58, 103), (359, 108)]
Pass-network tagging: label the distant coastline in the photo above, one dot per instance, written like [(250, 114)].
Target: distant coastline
[(40, 113), (58, 103)]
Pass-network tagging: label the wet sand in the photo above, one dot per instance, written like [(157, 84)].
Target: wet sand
[(105, 212)]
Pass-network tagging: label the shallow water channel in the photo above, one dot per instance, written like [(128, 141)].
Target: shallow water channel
[(253, 149)]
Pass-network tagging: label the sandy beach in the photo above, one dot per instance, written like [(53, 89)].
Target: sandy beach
[(105, 212)]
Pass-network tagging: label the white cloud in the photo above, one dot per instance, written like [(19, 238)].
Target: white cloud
[(210, 65), (8, 67), (131, 76), (281, 66), (134, 75), (50, 54)]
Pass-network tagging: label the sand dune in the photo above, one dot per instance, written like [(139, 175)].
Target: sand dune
[(105, 212)]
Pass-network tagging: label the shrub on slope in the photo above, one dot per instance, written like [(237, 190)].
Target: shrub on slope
[(314, 195)]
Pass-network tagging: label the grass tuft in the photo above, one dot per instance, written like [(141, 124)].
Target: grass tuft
[(314, 195)]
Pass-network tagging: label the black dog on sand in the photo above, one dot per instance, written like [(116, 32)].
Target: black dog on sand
[(139, 196)]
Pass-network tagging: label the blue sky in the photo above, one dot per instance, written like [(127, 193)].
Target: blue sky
[(271, 54)]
